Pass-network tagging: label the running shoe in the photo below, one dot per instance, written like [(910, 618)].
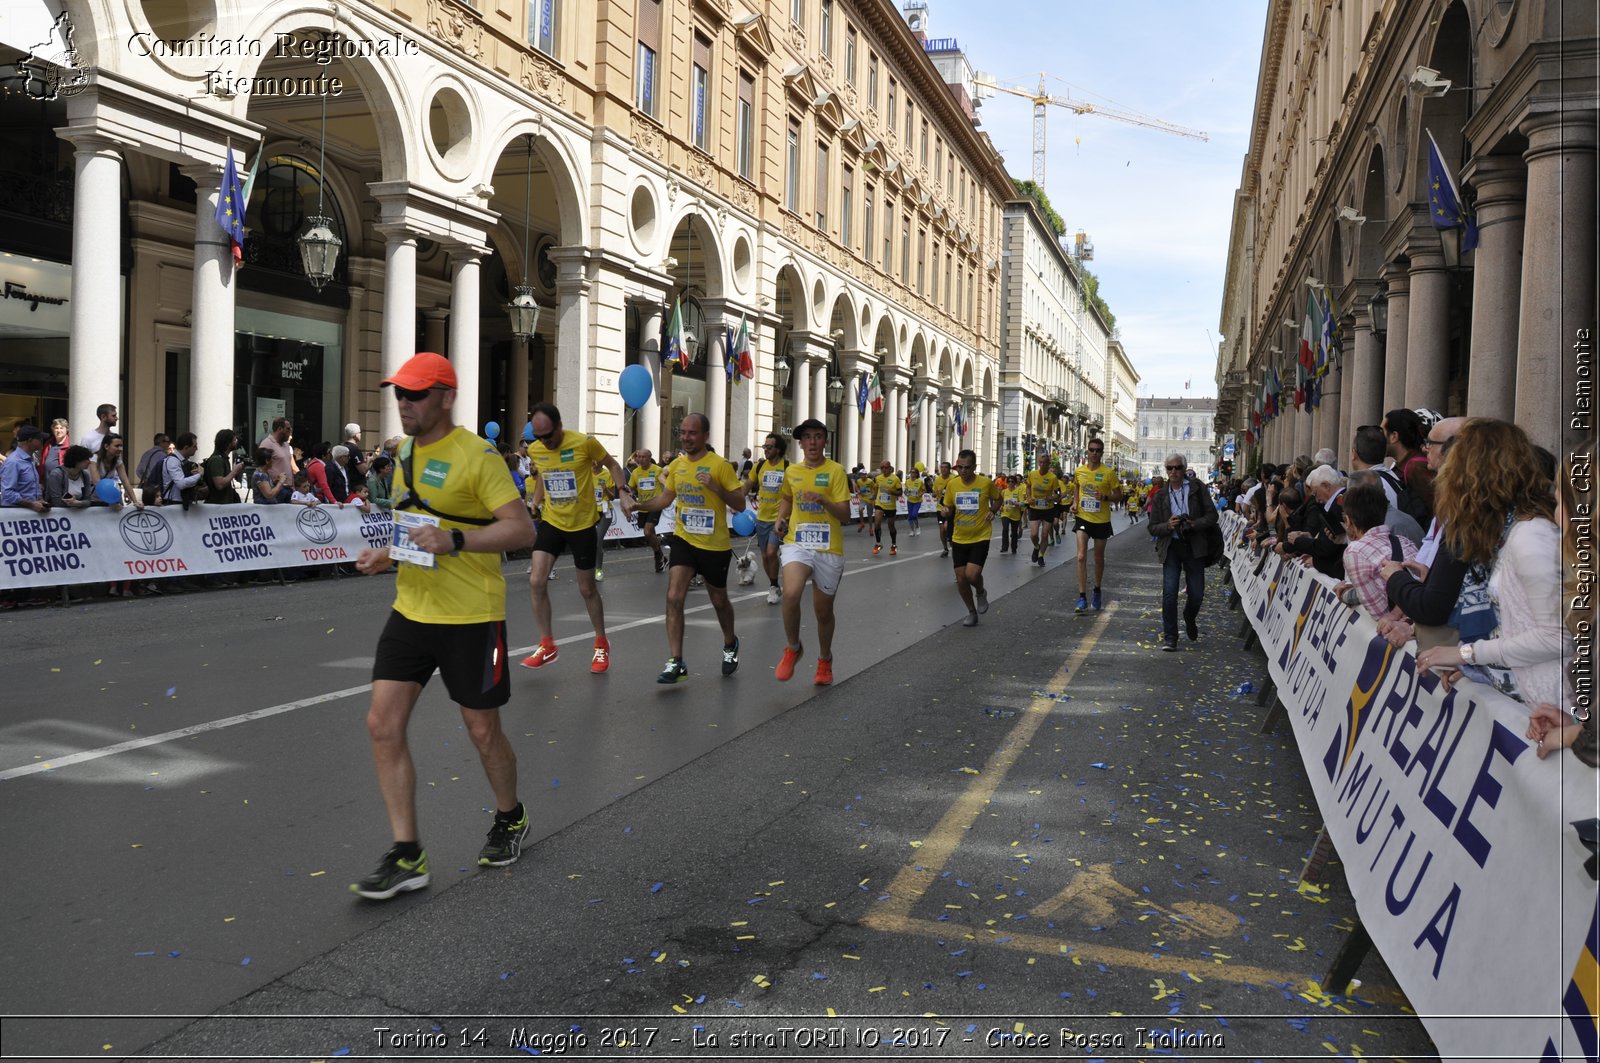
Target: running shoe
[(983, 601), (505, 841), (542, 656), (599, 574), (945, 552), (1083, 604), (674, 672), (1034, 558), (602, 658), (824, 676), (786, 663), (773, 596), (1097, 605), (730, 658), (970, 621), (393, 875), (877, 548), (893, 549), (660, 564)]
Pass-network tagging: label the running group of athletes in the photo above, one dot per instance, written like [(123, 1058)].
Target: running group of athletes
[(457, 510)]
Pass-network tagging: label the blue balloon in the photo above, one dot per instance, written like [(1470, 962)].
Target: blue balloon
[(635, 386), (491, 431), (108, 491), (527, 432), (744, 522)]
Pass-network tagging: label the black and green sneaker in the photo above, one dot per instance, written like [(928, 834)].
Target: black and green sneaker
[(505, 841), (673, 672), (394, 874)]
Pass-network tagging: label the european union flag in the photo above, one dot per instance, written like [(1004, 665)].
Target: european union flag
[(1444, 201), (230, 208)]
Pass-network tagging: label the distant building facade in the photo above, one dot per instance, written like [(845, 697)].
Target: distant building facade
[(1175, 426)]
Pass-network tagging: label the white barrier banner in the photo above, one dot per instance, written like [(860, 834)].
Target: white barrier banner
[(1453, 835), (103, 545)]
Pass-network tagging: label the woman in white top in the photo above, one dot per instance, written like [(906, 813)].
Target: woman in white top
[(1497, 508)]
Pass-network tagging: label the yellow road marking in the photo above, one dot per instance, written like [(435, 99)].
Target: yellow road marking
[(912, 881)]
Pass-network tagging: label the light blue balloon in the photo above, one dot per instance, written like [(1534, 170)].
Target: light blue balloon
[(108, 491), (635, 386), (491, 431), (527, 432), (744, 522)]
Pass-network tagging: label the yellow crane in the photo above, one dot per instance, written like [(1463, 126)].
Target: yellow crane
[(1043, 97)]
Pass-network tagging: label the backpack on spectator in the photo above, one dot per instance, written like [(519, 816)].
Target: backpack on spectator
[(1406, 500)]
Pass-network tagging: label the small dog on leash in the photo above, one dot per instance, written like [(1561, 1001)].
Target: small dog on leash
[(747, 568)]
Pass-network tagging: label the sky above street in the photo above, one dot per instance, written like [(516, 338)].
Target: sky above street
[(1156, 206)]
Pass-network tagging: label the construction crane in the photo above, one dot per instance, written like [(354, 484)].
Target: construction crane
[(1042, 97)]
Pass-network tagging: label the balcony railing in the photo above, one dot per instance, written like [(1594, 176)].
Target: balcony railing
[(1080, 410)]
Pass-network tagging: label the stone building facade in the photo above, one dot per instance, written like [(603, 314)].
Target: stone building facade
[(1334, 197), (1175, 426), (796, 165)]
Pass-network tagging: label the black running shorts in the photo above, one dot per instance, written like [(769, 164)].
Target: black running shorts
[(711, 565), (964, 554), (583, 544), (471, 658)]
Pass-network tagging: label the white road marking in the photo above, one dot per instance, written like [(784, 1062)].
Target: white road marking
[(70, 759)]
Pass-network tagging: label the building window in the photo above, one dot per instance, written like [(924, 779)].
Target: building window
[(701, 90), (822, 186), (938, 163), (892, 101), (850, 54), (866, 225), (542, 24), (923, 149), (905, 250), (825, 29), (872, 80), (933, 278), (797, 12), (911, 110), (846, 194), (747, 123), (791, 191), (888, 235), (922, 260), (644, 70)]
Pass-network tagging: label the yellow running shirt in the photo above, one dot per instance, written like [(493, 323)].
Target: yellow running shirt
[(939, 484), (766, 479), (603, 489), (701, 514), (886, 491), (914, 489), (1042, 489), (460, 474), (645, 483), (810, 524), (1094, 490), (566, 472), (974, 505), (1011, 502)]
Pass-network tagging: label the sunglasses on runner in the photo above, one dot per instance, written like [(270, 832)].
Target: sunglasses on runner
[(412, 396)]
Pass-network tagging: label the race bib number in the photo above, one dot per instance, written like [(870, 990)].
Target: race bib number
[(885, 498), (697, 521), (966, 501), (816, 536), (771, 481), (401, 549), (647, 483), (1088, 505), (561, 485)]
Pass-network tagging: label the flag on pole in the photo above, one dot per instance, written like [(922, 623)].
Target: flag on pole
[(250, 184), (741, 350), (675, 351), (961, 422), (230, 208), (861, 394), (875, 394), (1330, 335), (1444, 199), (730, 361), (1310, 333)]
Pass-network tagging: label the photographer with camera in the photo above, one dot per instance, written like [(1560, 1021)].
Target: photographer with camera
[(222, 468), (1181, 515), (180, 476)]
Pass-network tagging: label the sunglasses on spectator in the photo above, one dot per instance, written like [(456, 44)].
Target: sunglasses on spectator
[(1175, 468)]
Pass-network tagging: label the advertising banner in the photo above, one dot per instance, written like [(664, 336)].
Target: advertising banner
[(1454, 836)]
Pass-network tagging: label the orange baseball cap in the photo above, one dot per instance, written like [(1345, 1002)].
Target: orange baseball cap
[(423, 371)]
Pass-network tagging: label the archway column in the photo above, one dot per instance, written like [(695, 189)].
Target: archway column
[(1365, 402), (94, 359), (1394, 341), (573, 340), (464, 325), (649, 415), (1558, 271), (399, 312), (211, 321), (1496, 282), (851, 365), (1428, 324)]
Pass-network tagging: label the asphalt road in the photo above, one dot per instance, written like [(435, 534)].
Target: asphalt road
[(976, 839)]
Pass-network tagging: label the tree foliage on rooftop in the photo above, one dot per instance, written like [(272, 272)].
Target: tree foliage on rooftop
[(1091, 283)]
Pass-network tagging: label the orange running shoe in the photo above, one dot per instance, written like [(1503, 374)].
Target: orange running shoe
[(786, 663), (602, 657), (824, 676), (542, 656), (877, 549), (893, 549)]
